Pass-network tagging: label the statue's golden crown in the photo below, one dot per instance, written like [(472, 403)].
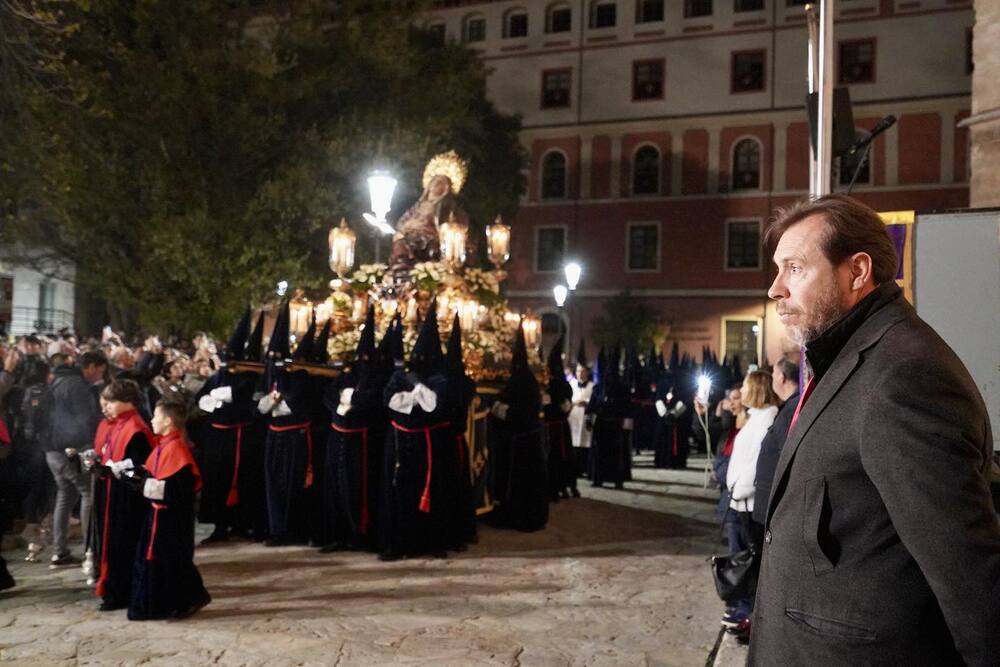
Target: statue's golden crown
[(450, 165)]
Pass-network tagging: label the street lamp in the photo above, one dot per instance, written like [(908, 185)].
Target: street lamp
[(560, 293), (573, 272), (380, 188)]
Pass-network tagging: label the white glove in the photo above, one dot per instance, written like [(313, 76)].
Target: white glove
[(421, 395), (679, 409), (208, 403), (118, 467), (154, 488), (222, 394), (627, 424), (499, 410), (345, 401), (661, 408), (265, 404)]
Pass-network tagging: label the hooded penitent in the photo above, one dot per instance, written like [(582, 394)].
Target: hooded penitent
[(519, 446), (461, 392), (352, 472), (556, 408), (417, 445), (235, 349)]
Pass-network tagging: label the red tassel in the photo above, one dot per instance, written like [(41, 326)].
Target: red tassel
[(425, 502), (233, 498)]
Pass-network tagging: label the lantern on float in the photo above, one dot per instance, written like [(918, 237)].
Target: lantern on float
[(498, 242), (451, 236), (342, 241)]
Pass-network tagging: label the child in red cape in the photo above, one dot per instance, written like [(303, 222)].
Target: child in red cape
[(165, 581), (123, 440)]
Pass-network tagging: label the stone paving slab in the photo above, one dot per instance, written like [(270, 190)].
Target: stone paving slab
[(605, 584)]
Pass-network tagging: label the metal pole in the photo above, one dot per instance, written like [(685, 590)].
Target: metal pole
[(824, 107), (812, 77)]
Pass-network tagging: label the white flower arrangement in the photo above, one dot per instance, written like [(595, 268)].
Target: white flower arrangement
[(367, 276), (482, 281), (343, 345), (428, 275), (342, 302)]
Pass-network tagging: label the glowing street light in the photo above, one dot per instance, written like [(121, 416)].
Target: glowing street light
[(380, 187), (573, 272), (560, 293)]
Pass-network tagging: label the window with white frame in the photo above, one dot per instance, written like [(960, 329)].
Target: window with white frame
[(746, 165), (603, 14), (474, 29), (515, 23), (553, 175), (550, 249), (643, 246), (646, 171), (558, 18), (743, 245)]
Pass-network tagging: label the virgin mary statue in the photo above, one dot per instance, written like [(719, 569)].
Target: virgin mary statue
[(416, 237)]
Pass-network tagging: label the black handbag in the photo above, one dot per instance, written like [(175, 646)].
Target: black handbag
[(735, 574)]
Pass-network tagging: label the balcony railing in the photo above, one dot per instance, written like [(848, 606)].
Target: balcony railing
[(38, 320)]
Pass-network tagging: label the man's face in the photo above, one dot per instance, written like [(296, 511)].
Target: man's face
[(809, 290), (777, 381), (93, 373)]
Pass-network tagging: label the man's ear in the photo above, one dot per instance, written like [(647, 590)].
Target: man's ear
[(860, 265)]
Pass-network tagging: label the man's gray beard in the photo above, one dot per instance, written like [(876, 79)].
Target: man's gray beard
[(828, 312)]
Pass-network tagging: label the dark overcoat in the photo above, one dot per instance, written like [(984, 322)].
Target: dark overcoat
[(882, 546)]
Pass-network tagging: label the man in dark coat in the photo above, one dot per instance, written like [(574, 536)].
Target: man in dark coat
[(881, 544)]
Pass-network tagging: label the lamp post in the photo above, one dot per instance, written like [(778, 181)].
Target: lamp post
[(573, 272), (380, 189), (560, 292)]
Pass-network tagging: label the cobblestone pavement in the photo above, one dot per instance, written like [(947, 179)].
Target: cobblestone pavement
[(605, 583)]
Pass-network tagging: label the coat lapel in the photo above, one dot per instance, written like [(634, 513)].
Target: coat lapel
[(843, 367)]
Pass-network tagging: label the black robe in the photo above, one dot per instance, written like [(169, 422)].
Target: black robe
[(119, 515), (230, 440), (519, 453), (461, 489), (610, 454), (415, 502), (290, 467), (165, 581), (352, 473), (561, 459)]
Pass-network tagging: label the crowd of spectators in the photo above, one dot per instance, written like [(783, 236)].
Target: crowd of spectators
[(49, 389)]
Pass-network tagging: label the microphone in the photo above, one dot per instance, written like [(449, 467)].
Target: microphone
[(879, 128)]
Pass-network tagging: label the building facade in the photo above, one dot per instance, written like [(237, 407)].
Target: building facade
[(663, 134), (35, 297)]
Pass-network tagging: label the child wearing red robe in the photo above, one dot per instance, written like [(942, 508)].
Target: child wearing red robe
[(123, 441), (165, 581)]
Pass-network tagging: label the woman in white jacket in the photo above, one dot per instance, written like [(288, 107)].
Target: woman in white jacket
[(762, 406)]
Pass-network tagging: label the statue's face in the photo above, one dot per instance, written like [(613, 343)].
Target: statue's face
[(438, 187)]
